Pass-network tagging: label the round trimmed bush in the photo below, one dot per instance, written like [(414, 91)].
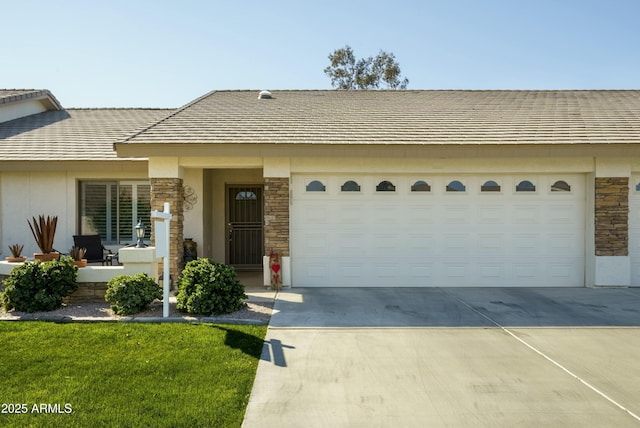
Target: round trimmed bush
[(209, 288), (36, 286), (130, 294)]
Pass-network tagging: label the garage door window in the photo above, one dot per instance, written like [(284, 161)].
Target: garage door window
[(316, 186), (350, 186), (385, 186), (525, 186), (456, 186), (560, 186), (490, 186), (420, 186)]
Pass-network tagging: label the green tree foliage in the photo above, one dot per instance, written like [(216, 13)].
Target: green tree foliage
[(347, 72)]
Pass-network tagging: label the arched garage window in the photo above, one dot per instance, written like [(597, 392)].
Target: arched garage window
[(316, 186), (525, 186), (560, 186), (420, 186), (490, 186), (350, 186), (385, 186), (456, 186)]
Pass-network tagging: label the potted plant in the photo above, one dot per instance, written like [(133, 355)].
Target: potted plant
[(44, 230), (77, 254), (16, 254)]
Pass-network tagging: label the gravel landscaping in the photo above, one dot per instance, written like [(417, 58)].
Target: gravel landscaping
[(257, 310)]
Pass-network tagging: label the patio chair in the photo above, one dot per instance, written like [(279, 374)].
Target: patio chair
[(96, 252)]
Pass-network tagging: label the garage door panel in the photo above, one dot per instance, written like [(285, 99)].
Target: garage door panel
[(492, 244), (438, 238), (459, 244), (560, 244), (455, 214), (526, 273), (388, 270), (491, 214), (420, 214), (384, 214), (491, 273), (560, 272), (634, 231), (315, 244), (563, 214), (386, 242), (316, 214), (525, 244), (420, 243), (526, 214), (350, 214), (351, 271), (421, 272)]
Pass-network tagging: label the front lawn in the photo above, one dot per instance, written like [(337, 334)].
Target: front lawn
[(126, 374)]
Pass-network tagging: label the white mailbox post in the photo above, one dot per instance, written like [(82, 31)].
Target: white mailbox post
[(162, 222)]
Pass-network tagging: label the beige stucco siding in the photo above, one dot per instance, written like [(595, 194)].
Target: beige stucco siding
[(50, 192)]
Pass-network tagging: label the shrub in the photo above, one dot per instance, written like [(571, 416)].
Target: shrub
[(130, 294), (36, 286), (207, 288)]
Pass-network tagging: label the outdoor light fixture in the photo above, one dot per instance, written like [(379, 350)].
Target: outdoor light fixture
[(140, 234)]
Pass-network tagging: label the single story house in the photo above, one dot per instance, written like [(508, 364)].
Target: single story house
[(351, 188)]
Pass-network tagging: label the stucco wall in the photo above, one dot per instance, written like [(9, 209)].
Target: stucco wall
[(193, 218), (15, 110), (29, 194), (49, 192)]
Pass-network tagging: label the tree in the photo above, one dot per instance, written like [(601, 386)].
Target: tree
[(366, 73)]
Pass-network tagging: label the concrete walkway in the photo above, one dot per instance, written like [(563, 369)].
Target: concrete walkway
[(367, 357)]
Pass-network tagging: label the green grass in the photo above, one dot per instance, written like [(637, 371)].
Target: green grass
[(126, 374)]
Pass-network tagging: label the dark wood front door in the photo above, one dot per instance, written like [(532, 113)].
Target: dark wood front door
[(244, 227)]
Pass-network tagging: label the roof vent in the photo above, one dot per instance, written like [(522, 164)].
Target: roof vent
[(264, 95)]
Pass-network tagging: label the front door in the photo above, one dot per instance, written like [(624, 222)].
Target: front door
[(244, 227)]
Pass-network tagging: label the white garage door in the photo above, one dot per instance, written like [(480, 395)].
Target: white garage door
[(437, 230), (634, 230)]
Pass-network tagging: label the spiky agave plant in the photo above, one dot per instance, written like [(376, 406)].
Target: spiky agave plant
[(77, 253), (44, 230), (16, 250)]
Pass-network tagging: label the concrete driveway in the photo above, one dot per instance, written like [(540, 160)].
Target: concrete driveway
[(436, 357)]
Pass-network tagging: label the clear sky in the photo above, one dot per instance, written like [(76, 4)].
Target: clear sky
[(158, 53)]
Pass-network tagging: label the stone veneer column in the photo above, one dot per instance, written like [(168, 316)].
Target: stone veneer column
[(612, 216), (276, 215), (171, 190)]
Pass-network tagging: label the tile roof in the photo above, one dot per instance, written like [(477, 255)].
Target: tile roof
[(73, 134), (403, 117), (8, 96)]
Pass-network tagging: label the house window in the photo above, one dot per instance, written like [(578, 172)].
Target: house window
[(246, 195), (385, 186), (490, 186), (525, 186), (112, 209), (316, 186), (350, 186), (560, 186), (420, 186), (455, 186)]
